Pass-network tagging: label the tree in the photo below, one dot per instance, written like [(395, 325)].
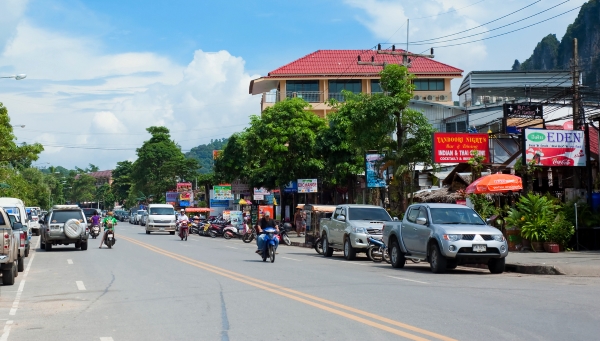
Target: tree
[(21, 155), (375, 117), (121, 180), (160, 164), (83, 189), (233, 163), (278, 147), (92, 168)]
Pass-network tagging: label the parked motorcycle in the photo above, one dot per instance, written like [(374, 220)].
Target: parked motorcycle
[(250, 235), (377, 251), (231, 231), (95, 231), (283, 236), (204, 230), (215, 230), (269, 246), (183, 230)]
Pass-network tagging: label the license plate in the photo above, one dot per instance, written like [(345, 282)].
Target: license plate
[(162, 228), (479, 248)]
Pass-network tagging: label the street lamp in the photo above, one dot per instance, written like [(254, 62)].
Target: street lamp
[(16, 77)]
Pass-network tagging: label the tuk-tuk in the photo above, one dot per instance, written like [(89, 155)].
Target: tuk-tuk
[(314, 214)]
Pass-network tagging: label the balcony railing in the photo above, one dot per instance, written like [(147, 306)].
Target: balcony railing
[(309, 96), (271, 97)]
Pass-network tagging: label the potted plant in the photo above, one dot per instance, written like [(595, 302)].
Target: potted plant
[(558, 234), (537, 213), (512, 223)]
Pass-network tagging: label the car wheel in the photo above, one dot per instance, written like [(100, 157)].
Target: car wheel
[(8, 276), (349, 252), (77, 245), (147, 232), (327, 250), (396, 256), (496, 265), (451, 264), (42, 244), (21, 265), (437, 261), (84, 246), (172, 232), (48, 247), (27, 252)]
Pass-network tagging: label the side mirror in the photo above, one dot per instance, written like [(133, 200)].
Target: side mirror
[(396, 219), (421, 221), (488, 221), (341, 218), (17, 226)]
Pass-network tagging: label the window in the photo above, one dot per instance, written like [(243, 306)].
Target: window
[(375, 86), (423, 213), (162, 211), (455, 216), (62, 216), (337, 213), (336, 87), (429, 84), (306, 89), (456, 127), (412, 214), (378, 214)]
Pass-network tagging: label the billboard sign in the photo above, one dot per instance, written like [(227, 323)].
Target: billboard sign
[(219, 203), (307, 186), (519, 115), (172, 197), (555, 147), (223, 192), (373, 169), (292, 187), (457, 147)]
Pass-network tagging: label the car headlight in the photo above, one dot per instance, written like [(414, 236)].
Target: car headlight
[(359, 230), (453, 237), (498, 237), (173, 221)]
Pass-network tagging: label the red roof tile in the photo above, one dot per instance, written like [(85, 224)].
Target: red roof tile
[(344, 62)]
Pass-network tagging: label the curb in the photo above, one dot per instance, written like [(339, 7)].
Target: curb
[(529, 269), (308, 245)]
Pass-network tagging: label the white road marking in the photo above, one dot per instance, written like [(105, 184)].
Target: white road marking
[(297, 260), (231, 247), (106, 338), (15, 305), (6, 331), (406, 279), (80, 285), (70, 261), (39, 241)]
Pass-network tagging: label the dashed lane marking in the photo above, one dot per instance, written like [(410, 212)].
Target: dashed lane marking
[(108, 338), (297, 260), (6, 330), (80, 285), (406, 279), (15, 305), (69, 261)]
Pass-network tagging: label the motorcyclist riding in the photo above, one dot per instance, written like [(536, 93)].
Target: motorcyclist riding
[(265, 222), (95, 219), (109, 224), (182, 217)]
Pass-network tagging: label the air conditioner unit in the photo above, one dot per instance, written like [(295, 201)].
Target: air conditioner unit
[(443, 98), (430, 98), (417, 97)]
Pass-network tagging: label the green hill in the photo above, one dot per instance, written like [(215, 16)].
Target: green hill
[(204, 154)]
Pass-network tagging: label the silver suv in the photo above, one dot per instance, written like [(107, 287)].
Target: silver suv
[(65, 224)]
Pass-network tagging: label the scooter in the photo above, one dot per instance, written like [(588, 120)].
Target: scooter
[(109, 239), (269, 247), (95, 231), (378, 251), (249, 235), (183, 230), (230, 232), (283, 236)]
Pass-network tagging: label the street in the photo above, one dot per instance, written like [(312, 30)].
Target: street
[(156, 287)]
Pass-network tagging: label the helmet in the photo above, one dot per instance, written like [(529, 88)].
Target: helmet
[(110, 214), (182, 210)]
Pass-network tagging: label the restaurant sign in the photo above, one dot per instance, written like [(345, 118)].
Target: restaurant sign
[(458, 147), (555, 147)]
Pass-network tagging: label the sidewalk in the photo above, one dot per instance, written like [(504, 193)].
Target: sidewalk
[(582, 263), (297, 241)]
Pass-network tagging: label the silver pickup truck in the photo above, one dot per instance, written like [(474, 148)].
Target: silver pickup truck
[(9, 249), (349, 227), (445, 235)]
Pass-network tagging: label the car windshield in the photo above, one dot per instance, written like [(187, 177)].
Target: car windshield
[(13, 210), (455, 216), (363, 213), (162, 211), (140, 212), (89, 211), (62, 216)]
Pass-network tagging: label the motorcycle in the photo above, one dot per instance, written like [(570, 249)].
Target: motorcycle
[(269, 246), (109, 239), (204, 230), (231, 231), (183, 230), (318, 246), (378, 251), (215, 230), (283, 236), (95, 231), (249, 236)]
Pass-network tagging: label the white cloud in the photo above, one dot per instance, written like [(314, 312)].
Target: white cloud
[(77, 95)]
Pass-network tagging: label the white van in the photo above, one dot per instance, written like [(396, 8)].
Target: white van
[(17, 207), (161, 218)]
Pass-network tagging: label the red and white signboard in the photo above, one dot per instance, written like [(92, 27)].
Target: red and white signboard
[(457, 147), (307, 186), (555, 147)]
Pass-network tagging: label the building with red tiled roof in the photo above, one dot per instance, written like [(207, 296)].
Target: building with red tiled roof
[(323, 74), (102, 177)]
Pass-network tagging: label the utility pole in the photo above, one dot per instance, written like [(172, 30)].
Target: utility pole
[(575, 70)]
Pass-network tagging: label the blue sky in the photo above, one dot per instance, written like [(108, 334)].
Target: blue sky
[(100, 72)]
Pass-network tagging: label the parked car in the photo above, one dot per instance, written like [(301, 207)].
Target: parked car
[(16, 207), (33, 214), (143, 218), (89, 212), (445, 235), (9, 249), (65, 224), (131, 217), (138, 216), (24, 239), (349, 227)]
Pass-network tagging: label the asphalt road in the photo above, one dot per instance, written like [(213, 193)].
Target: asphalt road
[(156, 287)]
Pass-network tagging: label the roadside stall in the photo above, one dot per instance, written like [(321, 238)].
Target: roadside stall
[(314, 214), (198, 210)]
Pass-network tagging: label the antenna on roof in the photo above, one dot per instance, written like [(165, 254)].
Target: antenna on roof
[(372, 59), (393, 47), (431, 52), (359, 58), (378, 47)]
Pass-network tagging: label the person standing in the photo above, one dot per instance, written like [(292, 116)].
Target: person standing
[(298, 221)]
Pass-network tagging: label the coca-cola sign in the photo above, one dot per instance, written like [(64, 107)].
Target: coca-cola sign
[(555, 148)]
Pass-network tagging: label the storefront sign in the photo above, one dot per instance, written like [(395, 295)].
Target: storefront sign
[(237, 187), (307, 186), (219, 203), (223, 192), (519, 115), (171, 196), (374, 173), (236, 218), (184, 186), (184, 203), (292, 187), (457, 147), (555, 147), (258, 197)]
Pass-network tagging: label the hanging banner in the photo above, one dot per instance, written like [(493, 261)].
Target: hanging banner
[(223, 192), (265, 208), (171, 196), (373, 171), (555, 147), (307, 186), (185, 196), (258, 197), (457, 147)]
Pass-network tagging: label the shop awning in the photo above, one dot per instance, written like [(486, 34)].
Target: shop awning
[(198, 209)]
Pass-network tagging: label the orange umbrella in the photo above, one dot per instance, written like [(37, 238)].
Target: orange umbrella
[(495, 183)]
